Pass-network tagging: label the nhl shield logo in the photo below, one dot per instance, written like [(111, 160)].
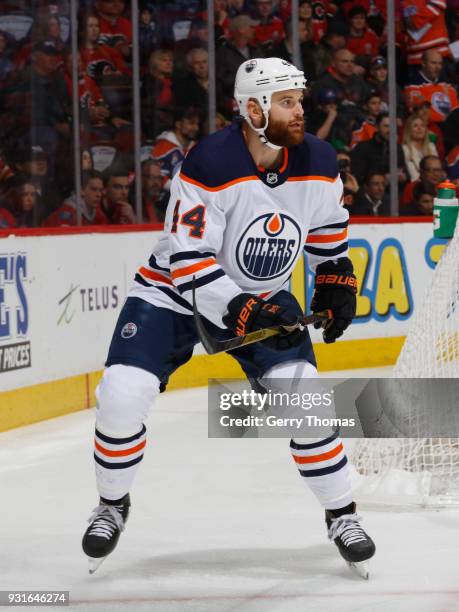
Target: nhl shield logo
[(272, 178), (250, 65), (129, 330), (269, 246)]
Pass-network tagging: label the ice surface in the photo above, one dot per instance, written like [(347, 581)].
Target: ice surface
[(216, 525)]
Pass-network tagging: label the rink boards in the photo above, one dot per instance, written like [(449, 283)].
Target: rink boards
[(61, 291)]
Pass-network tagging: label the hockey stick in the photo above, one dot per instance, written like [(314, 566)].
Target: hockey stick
[(213, 346)]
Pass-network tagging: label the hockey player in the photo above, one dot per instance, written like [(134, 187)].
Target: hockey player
[(245, 203)]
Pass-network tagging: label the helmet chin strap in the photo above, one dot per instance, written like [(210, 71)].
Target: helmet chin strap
[(261, 131)]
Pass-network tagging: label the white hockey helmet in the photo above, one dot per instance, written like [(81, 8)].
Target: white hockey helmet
[(258, 79)]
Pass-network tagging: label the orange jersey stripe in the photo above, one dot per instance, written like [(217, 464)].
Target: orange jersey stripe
[(220, 187), (154, 275), (193, 268), (322, 457), (119, 453), (327, 237), (327, 179)]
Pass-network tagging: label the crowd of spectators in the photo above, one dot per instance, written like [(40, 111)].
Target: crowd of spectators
[(343, 54)]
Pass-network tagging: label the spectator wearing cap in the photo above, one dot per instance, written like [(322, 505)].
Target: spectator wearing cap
[(157, 94), (31, 161), (416, 145), (428, 85), (431, 172), (269, 29), (154, 196), (115, 202), (148, 33), (372, 108), (194, 86), (284, 49), (373, 154), (92, 189), (422, 202), (361, 40), (322, 120), (378, 81), (20, 199), (425, 27), (372, 198), (115, 29), (39, 103), (171, 146), (238, 49), (98, 58)]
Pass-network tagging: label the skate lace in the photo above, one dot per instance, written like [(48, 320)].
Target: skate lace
[(347, 528), (105, 520)]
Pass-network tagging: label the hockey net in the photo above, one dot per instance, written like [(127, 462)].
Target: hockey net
[(419, 471)]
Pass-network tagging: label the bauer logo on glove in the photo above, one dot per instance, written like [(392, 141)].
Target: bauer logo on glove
[(335, 290)]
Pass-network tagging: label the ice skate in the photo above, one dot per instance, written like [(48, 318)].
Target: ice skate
[(355, 546), (105, 526)]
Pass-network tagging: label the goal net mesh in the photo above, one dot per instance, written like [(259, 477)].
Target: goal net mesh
[(419, 471)]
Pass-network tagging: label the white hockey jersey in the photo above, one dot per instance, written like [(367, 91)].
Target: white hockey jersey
[(237, 227)]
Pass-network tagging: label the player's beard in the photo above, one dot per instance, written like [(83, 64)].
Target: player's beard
[(284, 135)]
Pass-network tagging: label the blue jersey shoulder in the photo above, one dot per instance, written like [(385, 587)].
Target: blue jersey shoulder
[(314, 157), (218, 159)]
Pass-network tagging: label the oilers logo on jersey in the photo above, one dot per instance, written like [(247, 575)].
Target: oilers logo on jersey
[(268, 248)]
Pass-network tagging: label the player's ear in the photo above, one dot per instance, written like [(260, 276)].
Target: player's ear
[(255, 113)]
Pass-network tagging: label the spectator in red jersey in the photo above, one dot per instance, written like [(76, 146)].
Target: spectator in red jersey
[(423, 200), (20, 198), (270, 28), (425, 27), (157, 95), (92, 189), (372, 198), (284, 49), (373, 154), (154, 197), (416, 145), (361, 41), (115, 29), (235, 51), (428, 85), (372, 108), (98, 58), (314, 20), (115, 203), (431, 172)]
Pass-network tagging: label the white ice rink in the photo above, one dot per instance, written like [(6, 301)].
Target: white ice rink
[(216, 525)]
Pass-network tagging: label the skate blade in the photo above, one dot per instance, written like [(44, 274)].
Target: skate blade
[(361, 568), (95, 563)]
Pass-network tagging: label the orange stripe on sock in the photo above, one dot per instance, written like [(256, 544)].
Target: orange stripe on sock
[(327, 237), (119, 453), (154, 275), (323, 457), (193, 268)]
